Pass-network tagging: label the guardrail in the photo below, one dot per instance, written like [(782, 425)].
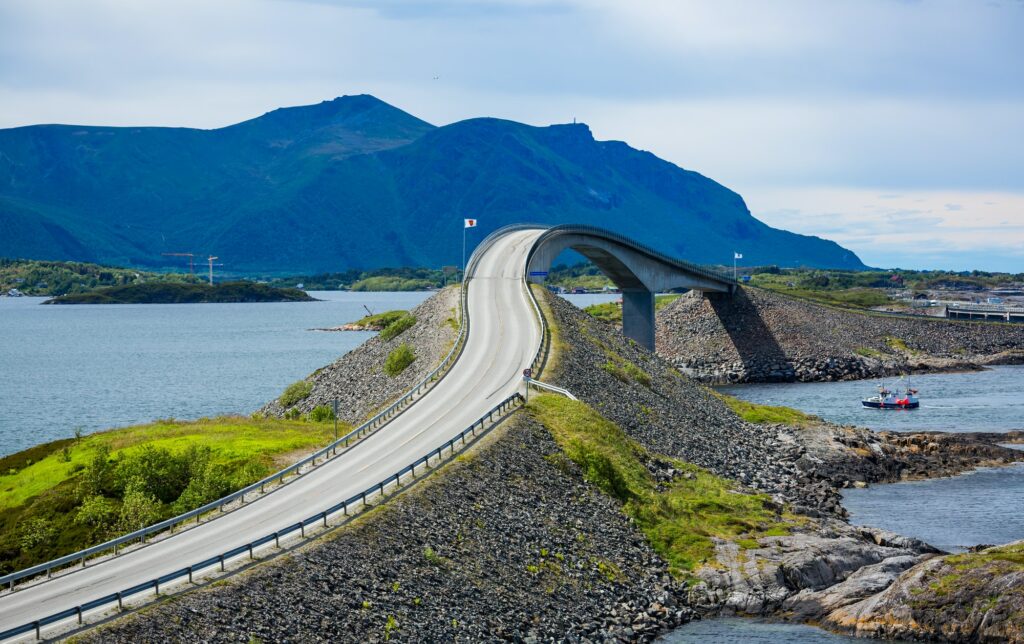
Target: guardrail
[(356, 501), (326, 453), (552, 388)]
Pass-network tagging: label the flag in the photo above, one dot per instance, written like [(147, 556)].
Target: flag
[(737, 255), (470, 223)]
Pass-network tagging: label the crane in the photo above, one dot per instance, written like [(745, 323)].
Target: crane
[(210, 260), (191, 261)]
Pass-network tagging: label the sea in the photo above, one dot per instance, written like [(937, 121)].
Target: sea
[(92, 367)]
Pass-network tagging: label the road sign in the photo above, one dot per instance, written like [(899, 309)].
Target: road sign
[(527, 373), (538, 273)]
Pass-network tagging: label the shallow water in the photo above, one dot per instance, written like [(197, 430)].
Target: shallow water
[(984, 506), (733, 630), (985, 401), (99, 366)]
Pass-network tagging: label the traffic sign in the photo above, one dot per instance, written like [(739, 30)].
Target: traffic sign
[(527, 373), (538, 273)]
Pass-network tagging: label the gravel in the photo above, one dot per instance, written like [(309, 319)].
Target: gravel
[(357, 379), (519, 549), (760, 336)]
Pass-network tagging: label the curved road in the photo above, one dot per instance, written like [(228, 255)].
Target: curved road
[(503, 338)]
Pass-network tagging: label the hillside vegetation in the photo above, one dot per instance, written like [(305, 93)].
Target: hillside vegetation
[(62, 496), (33, 277), (356, 183), (174, 293)]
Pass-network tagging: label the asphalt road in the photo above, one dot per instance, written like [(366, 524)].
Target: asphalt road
[(504, 335)]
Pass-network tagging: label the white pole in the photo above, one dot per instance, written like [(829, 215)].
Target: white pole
[(463, 251), (734, 266)]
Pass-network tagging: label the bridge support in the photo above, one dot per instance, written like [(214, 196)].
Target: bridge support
[(638, 317)]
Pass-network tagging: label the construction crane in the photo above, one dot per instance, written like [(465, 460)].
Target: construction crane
[(210, 260), (191, 261)]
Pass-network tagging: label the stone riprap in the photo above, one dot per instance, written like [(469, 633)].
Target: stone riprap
[(357, 379), (503, 545), (670, 414), (761, 336)]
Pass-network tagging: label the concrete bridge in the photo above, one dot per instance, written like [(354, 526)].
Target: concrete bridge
[(638, 270)]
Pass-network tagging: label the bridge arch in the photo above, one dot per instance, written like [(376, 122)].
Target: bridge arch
[(638, 270)]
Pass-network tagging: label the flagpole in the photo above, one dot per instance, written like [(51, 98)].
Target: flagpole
[(463, 251), (734, 266)]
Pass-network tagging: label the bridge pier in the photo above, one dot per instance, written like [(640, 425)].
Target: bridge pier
[(638, 317)]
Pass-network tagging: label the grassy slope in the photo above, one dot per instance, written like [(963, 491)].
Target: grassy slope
[(680, 518), (611, 312), (41, 483), (761, 414), (57, 278)]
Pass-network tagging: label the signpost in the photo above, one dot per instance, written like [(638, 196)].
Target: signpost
[(527, 375)]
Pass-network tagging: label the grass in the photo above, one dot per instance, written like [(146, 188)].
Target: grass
[(680, 519), (762, 414), (611, 312), (399, 358), (295, 393), (868, 352), (397, 327), (380, 321), (43, 490)]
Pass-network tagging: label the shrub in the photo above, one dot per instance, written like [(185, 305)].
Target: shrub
[(296, 392), (399, 359), (321, 414), (396, 328)]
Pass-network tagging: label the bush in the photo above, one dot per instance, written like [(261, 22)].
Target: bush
[(396, 328), (295, 393), (399, 359), (321, 414)]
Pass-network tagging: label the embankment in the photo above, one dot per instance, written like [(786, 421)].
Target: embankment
[(570, 521), (761, 336)]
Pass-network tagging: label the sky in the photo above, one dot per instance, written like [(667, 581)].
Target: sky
[(893, 127)]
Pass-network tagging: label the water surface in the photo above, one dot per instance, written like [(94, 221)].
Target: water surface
[(96, 366), (985, 506), (735, 630), (984, 401)]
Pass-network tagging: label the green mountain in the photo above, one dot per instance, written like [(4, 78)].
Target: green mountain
[(355, 183)]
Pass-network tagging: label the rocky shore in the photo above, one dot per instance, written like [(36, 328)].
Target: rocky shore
[(761, 336), (357, 379), (510, 543)]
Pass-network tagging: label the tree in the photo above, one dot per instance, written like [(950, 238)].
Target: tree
[(139, 507)]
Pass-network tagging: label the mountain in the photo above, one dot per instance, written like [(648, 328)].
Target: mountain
[(355, 183)]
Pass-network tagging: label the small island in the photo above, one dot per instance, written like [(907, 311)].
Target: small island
[(176, 293)]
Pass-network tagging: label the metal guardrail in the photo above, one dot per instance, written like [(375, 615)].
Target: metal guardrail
[(374, 490), (358, 500), (326, 453), (531, 382)]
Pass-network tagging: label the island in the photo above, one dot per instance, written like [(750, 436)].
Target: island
[(174, 293)]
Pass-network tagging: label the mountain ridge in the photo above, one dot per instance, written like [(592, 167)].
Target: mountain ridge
[(356, 183)]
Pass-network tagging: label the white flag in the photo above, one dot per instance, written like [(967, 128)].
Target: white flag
[(470, 223), (737, 255)]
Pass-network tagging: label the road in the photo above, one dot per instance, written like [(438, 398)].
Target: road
[(504, 335)]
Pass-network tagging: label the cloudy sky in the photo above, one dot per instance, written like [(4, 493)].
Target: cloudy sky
[(895, 127)]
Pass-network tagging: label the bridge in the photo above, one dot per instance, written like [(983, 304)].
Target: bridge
[(502, 332)]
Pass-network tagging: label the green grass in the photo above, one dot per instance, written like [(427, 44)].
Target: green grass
[(397, 327), (393, 283), (680, 518), (868, 352), (761, 414), (44, 492), (611, 312), (178, 293), (897, 344), (295, 393), (399, 358), (380, 321)]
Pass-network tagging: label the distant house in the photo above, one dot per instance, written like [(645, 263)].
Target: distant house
[(896, 281)]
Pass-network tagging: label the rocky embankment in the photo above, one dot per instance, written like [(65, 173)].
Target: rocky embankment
[(509, 542), (973, 597), (357, 379), (761, 336)]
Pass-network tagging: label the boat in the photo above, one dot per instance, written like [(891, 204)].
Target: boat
[(893, 399)]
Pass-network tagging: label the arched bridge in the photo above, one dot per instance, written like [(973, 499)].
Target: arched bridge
[(638, 270)]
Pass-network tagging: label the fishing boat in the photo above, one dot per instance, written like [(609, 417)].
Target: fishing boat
[(893, 398)]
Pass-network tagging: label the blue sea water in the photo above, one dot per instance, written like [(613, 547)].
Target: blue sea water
[(100, 366), (736, 630), (984, 401)]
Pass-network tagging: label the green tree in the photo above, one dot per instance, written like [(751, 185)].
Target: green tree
[(99, 513), (139, 507)]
